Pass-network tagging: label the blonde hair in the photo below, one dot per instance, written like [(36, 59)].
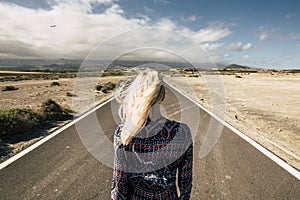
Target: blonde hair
[(136, 101)]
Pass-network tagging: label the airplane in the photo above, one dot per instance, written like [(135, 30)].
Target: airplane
[(52, 26)]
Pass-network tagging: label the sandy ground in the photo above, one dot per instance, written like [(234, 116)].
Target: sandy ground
[(263, 106), (31, 93)]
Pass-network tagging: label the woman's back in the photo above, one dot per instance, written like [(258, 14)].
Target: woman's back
[(146, 167)]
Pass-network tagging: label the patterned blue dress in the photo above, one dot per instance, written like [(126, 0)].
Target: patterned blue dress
[(146, 168)]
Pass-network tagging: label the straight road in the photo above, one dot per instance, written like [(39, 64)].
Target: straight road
[(62, 168)]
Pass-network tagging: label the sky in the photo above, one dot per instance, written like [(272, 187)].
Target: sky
[(255, 33)]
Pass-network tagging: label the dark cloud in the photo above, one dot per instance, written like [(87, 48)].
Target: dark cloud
[(18, 49)]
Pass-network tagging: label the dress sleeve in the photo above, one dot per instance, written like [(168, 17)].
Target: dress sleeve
[(185, 173), (119, 189)]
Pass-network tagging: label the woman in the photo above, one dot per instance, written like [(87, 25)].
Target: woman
[(150, 149)]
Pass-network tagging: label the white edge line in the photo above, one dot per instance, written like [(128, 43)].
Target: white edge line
[(58, 131), (259, 147)]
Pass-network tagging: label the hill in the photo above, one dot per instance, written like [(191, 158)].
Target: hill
[(236, 67)]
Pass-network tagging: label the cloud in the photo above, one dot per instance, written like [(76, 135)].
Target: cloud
[(297, 45), (161, 1), (289, 16), (239, 46), (245, 57), (18, 48), (76, 30), (77, 5), (294, 36), (212, 46), (212, 33), (265, 33), (220, 57), (263, 36), (148, 10), (166, 23), (190, 18), (27, 32)]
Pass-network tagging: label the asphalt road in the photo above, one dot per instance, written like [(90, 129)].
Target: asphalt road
[(63, 168)]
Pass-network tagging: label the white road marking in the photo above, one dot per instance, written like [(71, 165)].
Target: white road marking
[(42, 141)]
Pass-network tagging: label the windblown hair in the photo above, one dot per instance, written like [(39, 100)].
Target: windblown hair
[(136, 101)]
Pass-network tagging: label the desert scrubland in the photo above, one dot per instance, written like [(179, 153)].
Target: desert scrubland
[(265, 106), (29, 90)]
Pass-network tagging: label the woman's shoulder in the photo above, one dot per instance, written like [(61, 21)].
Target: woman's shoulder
[(172, 124)]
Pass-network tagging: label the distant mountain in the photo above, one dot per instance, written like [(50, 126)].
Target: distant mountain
[(63, 64), (40, 64), (168, 64), (236, 67), (16, 63), (64, 61), (153, 64)]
